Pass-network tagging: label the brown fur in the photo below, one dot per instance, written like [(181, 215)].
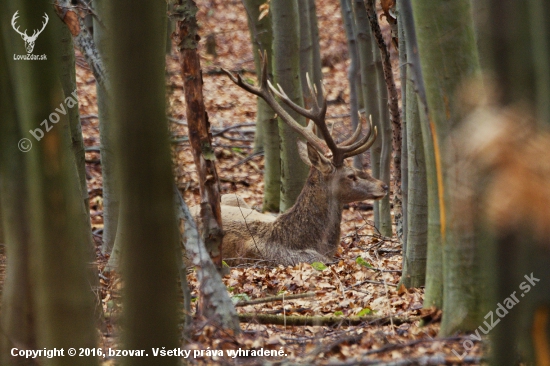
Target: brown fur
[(310, 230)]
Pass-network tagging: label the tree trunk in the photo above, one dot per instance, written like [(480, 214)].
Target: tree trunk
[(353, 70), (199, 132), (147, 259), (286, 68), (317, 73), (58, 246), (267, 129), (459, 55), (434, 266), (215, 303), (17, 318), (402, 48), (384, 135), (391, 132), (369, 80), (111, 196), (306, 55)]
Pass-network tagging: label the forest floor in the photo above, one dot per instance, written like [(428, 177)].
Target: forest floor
[(347, 288)]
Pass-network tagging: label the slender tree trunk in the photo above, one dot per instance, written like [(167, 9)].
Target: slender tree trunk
[(353, 70), (111, 196), (148, 247), (369, 80), (17, 317), (391, 132), (267, 129), (317, 73), (386, 143), (459, 54), (58, 245), (414, 262), (199, 132), (402, 48), (416, 235), (215, 303), (306, 55), (286, 69), (434, 266)]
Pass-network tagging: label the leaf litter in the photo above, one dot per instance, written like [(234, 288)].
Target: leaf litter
[(362, 281)]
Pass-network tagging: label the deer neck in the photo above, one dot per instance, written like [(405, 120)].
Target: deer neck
[(314, 220)]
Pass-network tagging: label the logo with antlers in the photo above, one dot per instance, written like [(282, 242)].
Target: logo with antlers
[(29, 40)]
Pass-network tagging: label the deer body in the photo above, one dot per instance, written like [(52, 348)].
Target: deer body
[(310, 230)]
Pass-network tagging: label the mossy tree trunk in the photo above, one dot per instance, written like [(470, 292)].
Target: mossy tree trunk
[(267, 129), (286, 70), (416, 238), (458, 54)]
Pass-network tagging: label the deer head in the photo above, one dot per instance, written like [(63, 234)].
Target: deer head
[(344, 183), (29, 40)]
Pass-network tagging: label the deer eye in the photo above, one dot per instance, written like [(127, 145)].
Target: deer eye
[(352, 177)]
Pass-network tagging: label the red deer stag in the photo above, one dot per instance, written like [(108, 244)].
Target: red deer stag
[(310, 230)]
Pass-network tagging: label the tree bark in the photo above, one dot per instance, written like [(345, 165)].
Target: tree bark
[(395, 118), (286, 69), (109, 166), (147, 258), (371, 101), (17, 317), (459, 55), (215, 304), (267, 129), (58, 241), (199, 131), (353, 70)]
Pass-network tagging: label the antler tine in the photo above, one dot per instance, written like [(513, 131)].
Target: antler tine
[(265, 92), (359, 143), (355, 135), (365, 146)]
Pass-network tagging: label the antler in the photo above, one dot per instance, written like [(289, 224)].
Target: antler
[(13, 19), (315, 114)]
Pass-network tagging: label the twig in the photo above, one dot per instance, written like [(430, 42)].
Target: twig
[(296, 320), (277, 298), (370, 281)]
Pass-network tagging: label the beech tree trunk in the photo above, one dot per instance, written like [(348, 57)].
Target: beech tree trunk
[(58, 259), (353, 70), (286, 69), (111, 195), (148, 247), (394, 131), (370, 76), (461, 293), (199, 132), (17, 317), (267, 129)]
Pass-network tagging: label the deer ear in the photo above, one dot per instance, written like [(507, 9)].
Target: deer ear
[(313, 158)]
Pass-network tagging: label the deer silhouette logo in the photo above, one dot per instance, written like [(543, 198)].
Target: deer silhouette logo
[(29, 40)]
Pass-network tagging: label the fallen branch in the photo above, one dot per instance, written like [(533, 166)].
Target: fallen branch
[(296, 320), (277, 298), (434, 360)]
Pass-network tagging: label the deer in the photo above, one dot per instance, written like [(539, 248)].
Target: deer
[(310, 230), (29, 40)]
